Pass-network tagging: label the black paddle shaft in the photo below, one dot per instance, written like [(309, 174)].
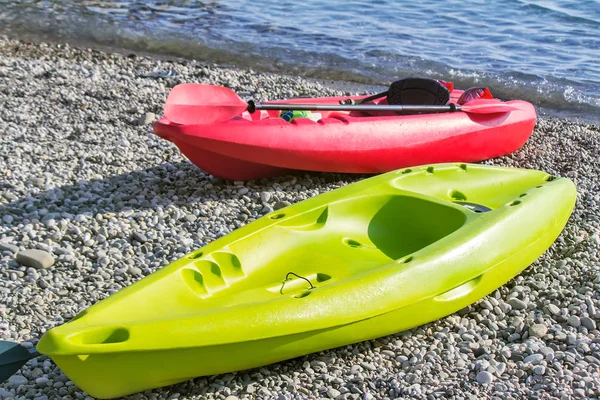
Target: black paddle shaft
[(252, 107)]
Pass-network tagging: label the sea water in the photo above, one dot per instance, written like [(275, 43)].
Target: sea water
[(543, 51)]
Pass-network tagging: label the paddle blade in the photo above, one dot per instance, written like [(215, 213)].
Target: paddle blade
[(487, 106), (12, 357), (194, 103)]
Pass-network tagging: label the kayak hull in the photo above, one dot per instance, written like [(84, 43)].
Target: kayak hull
[(246, 148), (130, 341)]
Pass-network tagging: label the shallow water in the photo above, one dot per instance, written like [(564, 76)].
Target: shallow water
[(543, 51)]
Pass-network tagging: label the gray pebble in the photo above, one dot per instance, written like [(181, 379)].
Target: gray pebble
[(17, 380), (589, 323), (8, 219), (140, 237), (517, 304), (484, 378), (9, 247), (514, 337), (10, 196), (574, 321), (501, 367), (190, 218), (533, 359), (538, 330), (281, 204), (265, 197), (539, 370), (487, 305), (554, 310), (39, 259), (146, 119), (368, 366)]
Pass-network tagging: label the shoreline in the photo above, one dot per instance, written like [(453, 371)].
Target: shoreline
[(339, 84), (84, 179), (341, 80)]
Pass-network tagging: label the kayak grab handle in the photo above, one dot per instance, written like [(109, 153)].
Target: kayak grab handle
[(287, 279)]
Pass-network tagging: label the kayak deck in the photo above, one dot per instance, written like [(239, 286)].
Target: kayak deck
[(370, 259)]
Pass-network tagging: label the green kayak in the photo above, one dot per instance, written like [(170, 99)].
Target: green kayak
[(370, 259)]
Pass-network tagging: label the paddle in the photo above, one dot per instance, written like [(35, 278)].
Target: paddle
[(194, 103), (12, 357)]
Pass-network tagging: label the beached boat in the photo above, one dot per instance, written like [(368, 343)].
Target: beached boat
[(261, 144), (370, 259)]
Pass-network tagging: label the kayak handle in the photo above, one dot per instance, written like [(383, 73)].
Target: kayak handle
[(287, 279)]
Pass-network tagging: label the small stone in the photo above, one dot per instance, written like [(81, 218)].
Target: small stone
[(5, 394), (368, 366), (333, 393), (190, 218), (539, 370), (574, 321), (8, 218), (10, 196), (589, 323), (41, 380), (146, 119), (514, 337), (135, 271), (231, 397), (538, 330), (17, 380), (501, 367), (265, 197), (35, 258), (533, 359), (9, 247), (281, 204), (140, 237), (484, 378), (517, 304), (487, 305), (553, 309)]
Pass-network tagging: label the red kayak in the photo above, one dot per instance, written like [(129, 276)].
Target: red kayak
[(261, 144)]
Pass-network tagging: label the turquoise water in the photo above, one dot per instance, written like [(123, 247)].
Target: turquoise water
[(546, 52)]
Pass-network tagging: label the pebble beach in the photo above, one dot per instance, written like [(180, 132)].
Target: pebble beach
[(91, 201)]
